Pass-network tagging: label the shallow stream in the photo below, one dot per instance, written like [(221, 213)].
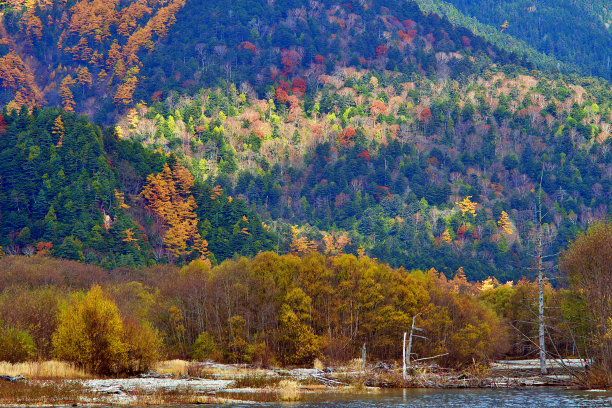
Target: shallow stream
[(445, 398)]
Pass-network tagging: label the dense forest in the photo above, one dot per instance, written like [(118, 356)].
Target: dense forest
[(579, 33), (283, 309), (79, 193), (279, 181), (418, 143), (391, 165), (271, 310)]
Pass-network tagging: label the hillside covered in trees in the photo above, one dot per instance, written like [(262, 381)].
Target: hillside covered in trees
[(365, 127), (578, 33), (76, 192)]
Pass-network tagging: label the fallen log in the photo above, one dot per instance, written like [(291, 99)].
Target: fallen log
[(327, 381), (9, 378)]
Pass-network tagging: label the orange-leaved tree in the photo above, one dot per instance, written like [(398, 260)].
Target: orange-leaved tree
[(168, 195), (66, 94)]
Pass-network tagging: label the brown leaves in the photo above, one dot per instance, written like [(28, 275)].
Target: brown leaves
[(345, 137), (377, 108), (91, 24), (381, 50), (83, 76), (66, 94), (425, 115), (335, 244), (247, 45), (125, 91), (300, 245), (298, 86)]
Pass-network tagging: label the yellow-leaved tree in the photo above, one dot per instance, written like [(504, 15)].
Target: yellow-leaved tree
[(297, 343), (504, 223), (91, 334), (467, 206), (66, 94), (446, 238), (58, 130)]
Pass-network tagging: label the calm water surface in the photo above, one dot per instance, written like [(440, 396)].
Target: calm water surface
[(523, 398)]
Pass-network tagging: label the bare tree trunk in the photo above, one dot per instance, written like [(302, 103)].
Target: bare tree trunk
[(412, 329), (363, 357), (541, 334), (404, 357)]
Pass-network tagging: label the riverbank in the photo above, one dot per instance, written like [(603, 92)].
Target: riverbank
[(211, 383)]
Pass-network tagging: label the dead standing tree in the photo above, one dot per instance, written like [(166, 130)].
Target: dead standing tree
[(540, 266), (406, 352)]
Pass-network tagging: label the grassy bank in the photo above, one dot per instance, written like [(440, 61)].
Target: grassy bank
[(183, 382), (43, 370)]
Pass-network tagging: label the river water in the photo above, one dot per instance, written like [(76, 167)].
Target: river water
[(473, 398)]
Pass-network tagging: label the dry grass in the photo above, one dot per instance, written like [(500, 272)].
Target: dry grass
[(200, 370), (256, 381), (288, 390), (181, 395), (318, 364), (225, 396), (49, 392), (43, 370), (174, 367), (355, 364)]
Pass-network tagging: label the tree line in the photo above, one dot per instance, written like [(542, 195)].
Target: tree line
[(288, 310)]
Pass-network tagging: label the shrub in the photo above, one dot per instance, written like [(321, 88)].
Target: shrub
[(89, 333), (297, 343), (144, 345), (204, 347), (16, 345), (288, 390)]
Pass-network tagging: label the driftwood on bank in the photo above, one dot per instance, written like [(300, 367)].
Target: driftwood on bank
[(9, 378), (328, 381)]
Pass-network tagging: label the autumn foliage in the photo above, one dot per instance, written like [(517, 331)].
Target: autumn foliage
[(247, 45), (17, 78), (298, 86), (345, 137), (467, 206), (381, 50), (300, 308), (168, 196), (103, 36), (365, 155)]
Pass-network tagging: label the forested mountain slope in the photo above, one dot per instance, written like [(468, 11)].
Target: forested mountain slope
[(578, 33), (363, 127), (384, 161), (98, 56), (69, 190)]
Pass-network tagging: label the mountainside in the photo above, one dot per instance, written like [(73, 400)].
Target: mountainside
[(387, 160), (578, 33), (69, 190), (97, 57), (364, 127)]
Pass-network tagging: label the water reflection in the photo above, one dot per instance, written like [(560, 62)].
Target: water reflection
[(410, 398)]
